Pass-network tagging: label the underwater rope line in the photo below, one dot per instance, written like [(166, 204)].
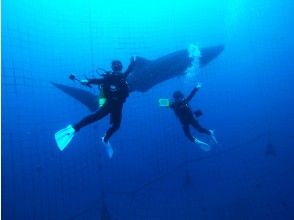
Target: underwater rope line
[(134, 193), (181, 165), (186, 162), (191, 161)]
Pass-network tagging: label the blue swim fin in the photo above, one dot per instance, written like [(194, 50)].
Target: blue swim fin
[(203, 146), (213, 136), (64, 136), (108, 147)]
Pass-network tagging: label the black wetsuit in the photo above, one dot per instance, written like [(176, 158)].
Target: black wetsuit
[(116, 91), (186, 116)]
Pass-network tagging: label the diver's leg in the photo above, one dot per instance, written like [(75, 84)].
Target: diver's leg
[(188, 132), (204, 146), (116, 116), (199, 128), (100, 113)]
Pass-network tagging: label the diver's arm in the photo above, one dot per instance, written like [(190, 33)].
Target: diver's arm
[(96, 81), (193, 92), (88, 82), (130, 67)]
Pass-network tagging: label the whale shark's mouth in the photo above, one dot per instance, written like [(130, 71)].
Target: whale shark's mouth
[(195, 54)]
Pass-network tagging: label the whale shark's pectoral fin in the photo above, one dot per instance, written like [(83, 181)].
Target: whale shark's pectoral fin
[(86, 98)]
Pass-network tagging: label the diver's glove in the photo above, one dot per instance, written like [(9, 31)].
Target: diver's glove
[(199, 85), (72, 77), (84, 82)]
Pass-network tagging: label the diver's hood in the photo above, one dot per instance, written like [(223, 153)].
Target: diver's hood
[(116, 66), (178, 95)]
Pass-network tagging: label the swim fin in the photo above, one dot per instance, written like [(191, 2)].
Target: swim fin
[(108, 147), (64, 136), (204, 146), (213, 136)]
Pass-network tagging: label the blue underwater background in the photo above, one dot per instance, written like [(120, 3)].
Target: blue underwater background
[(156, 173)]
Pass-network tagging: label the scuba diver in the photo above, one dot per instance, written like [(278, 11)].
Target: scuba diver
[(181, 107), (115, 90)]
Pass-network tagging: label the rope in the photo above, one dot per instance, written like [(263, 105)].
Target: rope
[(133, 193)]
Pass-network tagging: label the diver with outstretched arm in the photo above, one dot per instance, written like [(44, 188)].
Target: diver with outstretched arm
[(115, 89), (181, 107)]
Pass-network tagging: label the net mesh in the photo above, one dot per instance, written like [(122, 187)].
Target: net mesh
[(161, 182)]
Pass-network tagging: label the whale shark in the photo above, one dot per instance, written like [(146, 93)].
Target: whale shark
[(147, 73)]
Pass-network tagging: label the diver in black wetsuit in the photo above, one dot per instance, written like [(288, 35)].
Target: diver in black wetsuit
[(115, 89), (184, 113)]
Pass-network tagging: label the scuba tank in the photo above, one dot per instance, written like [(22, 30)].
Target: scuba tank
[(101, 97)]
